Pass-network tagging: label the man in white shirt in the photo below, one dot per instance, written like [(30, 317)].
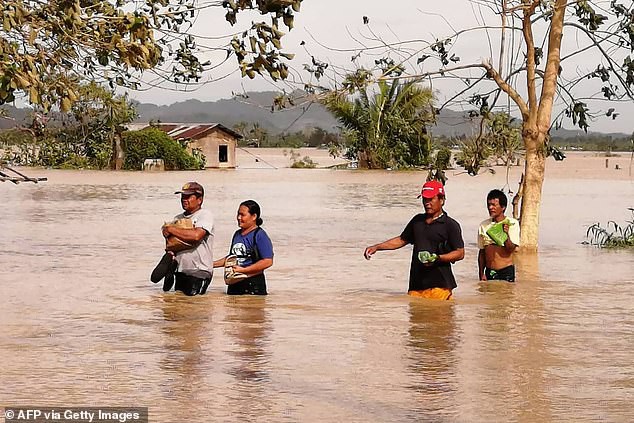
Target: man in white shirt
[(193, 253), (498, 238)]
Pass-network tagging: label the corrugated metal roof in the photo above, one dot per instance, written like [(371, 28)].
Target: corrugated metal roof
[(193, 131), (167, 128)]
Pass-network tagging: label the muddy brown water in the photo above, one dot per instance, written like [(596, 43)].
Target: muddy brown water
[(337, 339)]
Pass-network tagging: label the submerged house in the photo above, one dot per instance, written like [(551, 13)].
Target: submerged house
[(217, 142)]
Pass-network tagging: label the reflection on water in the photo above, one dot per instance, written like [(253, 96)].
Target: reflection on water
[(182, 328), (337, 339), (432, 353), (248, 325)]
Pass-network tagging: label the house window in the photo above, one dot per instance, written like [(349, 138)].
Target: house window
[(223, 153)]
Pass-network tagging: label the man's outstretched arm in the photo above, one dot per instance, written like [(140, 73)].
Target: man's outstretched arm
[(391, 244)]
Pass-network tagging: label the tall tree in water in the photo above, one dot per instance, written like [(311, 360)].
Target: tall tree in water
[(99, 119), (544, 61)]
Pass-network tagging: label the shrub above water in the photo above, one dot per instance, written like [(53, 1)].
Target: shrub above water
[(618, 237), (152, 143)]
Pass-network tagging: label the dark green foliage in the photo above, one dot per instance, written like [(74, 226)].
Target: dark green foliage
[(618, 237), (441, 162), (500, 141), (443, 158), (320, 137), (60, 148), (386, 128), (588, 16), (305, 163), (152, 143), (579, 114), (18, 147), (85, 138), (472, 156), (256, 136), (73, 148), (297, 163), (594, 142)]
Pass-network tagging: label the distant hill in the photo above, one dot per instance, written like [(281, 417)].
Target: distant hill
[(14, 118), (454, 124), (256, 107)]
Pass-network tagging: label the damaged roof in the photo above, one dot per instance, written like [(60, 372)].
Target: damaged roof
[(193, 131)]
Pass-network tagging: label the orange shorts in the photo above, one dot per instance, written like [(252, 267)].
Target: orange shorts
[(432, 293)]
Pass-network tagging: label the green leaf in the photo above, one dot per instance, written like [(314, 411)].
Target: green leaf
[(102, 59)]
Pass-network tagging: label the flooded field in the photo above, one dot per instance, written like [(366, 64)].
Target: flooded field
[(337, 339)]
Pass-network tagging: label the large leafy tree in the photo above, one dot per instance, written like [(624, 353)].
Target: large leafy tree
[(88, 136), (48, 48), (385, 128), (529, 71), (98, 120)]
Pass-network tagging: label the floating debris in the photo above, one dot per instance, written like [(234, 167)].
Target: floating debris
[(16, 177)]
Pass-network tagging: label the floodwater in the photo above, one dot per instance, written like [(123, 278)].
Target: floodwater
[(337, 339)]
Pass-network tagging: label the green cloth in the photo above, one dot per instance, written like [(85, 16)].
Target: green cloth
[(426, 257), (497, 234)]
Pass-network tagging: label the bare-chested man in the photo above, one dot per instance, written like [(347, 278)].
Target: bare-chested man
[(495, 261)]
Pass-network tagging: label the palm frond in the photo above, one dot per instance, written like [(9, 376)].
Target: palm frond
[(390, 123)]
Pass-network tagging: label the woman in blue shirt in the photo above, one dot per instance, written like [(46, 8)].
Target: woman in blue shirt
[(251, 251)]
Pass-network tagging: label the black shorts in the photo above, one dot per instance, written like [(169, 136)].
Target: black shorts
[(190, 285), (505, 274), (255, 285)]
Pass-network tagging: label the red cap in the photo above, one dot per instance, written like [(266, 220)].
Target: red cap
[(432, 189)]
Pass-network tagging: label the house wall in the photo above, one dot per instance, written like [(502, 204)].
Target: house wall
[(209, 145)]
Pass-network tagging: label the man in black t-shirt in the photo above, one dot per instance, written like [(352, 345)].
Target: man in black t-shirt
[(437, 240)]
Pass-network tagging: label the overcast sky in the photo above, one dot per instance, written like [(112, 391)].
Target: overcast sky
[(338, 25)]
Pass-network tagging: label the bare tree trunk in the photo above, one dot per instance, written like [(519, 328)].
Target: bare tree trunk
[(536, 122), (363, 160), (118, 153), (534, 171), (517, 198), (632, 156)]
